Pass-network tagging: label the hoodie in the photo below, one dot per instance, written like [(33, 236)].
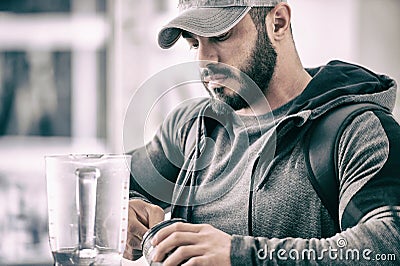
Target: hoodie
[(283, 221)]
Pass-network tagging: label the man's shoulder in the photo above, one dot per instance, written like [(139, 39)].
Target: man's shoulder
[(189, 109)]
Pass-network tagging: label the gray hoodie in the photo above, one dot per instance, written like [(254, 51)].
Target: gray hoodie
[(249, 179)]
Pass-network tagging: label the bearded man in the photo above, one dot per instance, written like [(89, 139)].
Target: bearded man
[(242, 185)]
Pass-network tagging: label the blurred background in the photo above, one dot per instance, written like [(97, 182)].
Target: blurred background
[(68, 69)]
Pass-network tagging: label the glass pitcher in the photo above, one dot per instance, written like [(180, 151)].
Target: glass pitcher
[(88, 199)]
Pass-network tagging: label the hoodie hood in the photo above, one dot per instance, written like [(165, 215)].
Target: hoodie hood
[(340, 83), (335, 84)]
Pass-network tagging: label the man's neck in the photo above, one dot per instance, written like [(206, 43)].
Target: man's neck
[(285, 85), (283, 89)]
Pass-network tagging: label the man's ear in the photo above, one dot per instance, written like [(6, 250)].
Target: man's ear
[(280, 18)]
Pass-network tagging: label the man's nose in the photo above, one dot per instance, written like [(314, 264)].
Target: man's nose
[(207, 54)]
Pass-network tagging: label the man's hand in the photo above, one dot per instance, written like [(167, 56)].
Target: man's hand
[(192, 244), (141, 217)]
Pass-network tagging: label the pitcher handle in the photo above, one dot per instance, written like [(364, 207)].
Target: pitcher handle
[(86, 209)]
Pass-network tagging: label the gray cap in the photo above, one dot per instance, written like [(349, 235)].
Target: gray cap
[(208, 18)]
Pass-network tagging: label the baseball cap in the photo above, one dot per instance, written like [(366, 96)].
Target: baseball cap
[(208, 18)]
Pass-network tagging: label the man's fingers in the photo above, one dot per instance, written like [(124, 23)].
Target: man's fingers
[(128, 253), (134, 241), (132, 254), (146, 213), (136, 226), (141, 216), (137, 209), (176, 227), (182, 254), (137, 229), (176, 239), (155, 214)]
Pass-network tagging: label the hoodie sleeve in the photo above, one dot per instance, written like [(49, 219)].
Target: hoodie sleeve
[(369, 206), (155, 166)]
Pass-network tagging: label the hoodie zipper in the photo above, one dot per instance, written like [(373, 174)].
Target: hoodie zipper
[(250, 209)]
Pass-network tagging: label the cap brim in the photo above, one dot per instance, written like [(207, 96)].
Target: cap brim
[(205, 22)]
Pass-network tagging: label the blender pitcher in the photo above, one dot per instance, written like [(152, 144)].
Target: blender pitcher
[(88, 199)]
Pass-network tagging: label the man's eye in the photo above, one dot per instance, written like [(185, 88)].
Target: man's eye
[(194, 45), (223, 37)]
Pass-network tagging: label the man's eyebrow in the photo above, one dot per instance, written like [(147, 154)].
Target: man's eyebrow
[(186, 34)]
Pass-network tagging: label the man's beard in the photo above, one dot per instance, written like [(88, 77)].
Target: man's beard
[(260, 69)]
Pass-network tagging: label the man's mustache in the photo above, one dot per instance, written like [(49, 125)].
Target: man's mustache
[(214, 70)]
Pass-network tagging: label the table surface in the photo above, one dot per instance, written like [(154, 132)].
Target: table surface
[(139, 262)]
